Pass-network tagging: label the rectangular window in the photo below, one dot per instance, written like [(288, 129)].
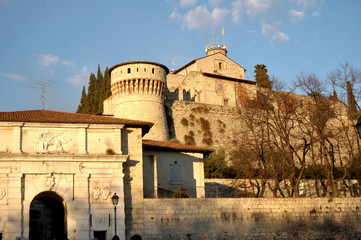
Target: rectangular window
[(128, 70), (175, 173), (220, 65), (153, 70), (225, 102)]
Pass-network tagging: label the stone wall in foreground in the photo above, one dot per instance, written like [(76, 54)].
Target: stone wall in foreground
[(248, 218)]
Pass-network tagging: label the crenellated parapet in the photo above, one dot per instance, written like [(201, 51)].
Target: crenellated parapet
[(139, 86)]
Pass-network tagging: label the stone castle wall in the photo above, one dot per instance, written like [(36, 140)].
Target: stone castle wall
[(231, 188), (203, 124), (250, 218)]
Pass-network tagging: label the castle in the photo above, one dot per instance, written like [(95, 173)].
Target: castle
[(59, 171)]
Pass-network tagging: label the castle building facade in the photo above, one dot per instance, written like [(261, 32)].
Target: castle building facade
[(59, 171)]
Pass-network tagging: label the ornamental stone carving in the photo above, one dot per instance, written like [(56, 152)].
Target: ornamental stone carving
[(101, 193), (47, 141), (2, 192), (50, 181)]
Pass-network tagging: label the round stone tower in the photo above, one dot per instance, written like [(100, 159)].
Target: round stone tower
[(138, 91)]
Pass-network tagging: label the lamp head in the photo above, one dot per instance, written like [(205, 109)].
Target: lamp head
[(115, 199)]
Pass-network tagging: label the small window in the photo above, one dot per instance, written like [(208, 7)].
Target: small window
[(225, 102), (175, 173), (153, 70), (137, 69), (128, 70), (220, 66), (145, 69)]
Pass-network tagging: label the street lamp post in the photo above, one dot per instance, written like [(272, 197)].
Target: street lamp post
[(115, 200)]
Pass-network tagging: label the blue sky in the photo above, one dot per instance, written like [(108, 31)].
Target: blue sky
[(64, 41)]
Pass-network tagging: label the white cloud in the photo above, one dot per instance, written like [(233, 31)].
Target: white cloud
[(80, 79), (236, 11), (257, 7), (187, 3), (199, 17), (316, 14), (268, 29), (50, 60), (296, 15), (174, 15), (215, 3), (219, 14), (306, 3), (271, 31), (280, 37), (13, 77)]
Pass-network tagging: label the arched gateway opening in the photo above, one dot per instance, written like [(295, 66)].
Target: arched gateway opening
[(47, 217)]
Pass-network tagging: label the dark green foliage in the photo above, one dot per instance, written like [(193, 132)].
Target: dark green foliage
[(215, 165), (98, 90), (262, 77), (83, 107)]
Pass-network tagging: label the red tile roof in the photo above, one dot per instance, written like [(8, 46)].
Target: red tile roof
[(170, 146), (47, 116)]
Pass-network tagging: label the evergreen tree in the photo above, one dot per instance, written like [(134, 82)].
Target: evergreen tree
[(98, 90), (83, 107), (107, 84), (262, 77), (91, 97)]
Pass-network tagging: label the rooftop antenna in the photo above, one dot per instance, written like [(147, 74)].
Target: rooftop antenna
[(173, 64), (212, 36), (43, 85)]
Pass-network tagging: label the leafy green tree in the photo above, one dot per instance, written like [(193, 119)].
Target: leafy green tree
[(262, 77), (215, 165)]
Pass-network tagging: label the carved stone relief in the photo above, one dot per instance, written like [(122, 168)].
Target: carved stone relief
[(101, 189), (2, 192), (51, 141), (101, 193), (50, 181)]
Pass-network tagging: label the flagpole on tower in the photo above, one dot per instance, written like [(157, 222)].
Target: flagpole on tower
[(224, 40)]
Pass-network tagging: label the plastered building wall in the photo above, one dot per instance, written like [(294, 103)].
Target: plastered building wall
[(174, 170), (248, 218), (85, 183), (69, 161)]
